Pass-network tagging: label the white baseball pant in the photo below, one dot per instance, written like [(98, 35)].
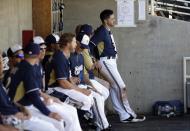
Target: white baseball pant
[(98, 108), (37, 124), (59, 125), (109, 67), (69, 114), (80, 97), (100, 88)]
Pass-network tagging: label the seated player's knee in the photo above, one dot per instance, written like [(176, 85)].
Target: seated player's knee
[(88, 102)]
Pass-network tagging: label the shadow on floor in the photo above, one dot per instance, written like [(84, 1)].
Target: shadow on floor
[(153, 124)]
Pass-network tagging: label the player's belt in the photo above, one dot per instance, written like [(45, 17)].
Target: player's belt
[(108, 57)]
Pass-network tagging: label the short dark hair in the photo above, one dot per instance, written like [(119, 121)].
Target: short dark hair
[(105, 14), (65, 39)]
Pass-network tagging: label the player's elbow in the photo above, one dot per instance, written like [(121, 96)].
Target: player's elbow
[(64, 84)]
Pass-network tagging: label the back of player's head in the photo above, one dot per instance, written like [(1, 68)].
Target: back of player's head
[(65, 39), (32, 50), (77, 29), (105, 14), (52, 39), (86, 29)]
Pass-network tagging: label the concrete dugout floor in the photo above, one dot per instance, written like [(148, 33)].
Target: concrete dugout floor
[(153, 124)]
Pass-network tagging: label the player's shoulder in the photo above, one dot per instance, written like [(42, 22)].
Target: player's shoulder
[(58, 55), (59, 58), (23, 66), (100, 30)]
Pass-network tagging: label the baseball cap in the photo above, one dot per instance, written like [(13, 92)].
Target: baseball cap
[(32, 49), (13, 49), (40, 41), (86, 29), (52, 39), (83, 40)]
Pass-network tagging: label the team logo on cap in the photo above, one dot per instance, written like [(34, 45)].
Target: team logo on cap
[(30, 52), (85, 40)]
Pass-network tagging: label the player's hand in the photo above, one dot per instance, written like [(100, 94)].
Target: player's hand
[(21, 116), (56, 100), (86, 92), (97, 65), (7, 128), (26, 113), (48, 101), (124, 93), (75, 80), (23, 110), (55, 116)]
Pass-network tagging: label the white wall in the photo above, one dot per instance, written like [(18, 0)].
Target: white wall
[(15, 16)]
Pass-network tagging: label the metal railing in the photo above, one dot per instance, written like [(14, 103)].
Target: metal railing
[(175, 9)]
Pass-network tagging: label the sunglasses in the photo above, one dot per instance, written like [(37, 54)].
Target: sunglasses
[(21, 56), (42, 49)]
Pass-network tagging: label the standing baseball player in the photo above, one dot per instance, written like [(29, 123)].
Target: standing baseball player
[(103, 47)]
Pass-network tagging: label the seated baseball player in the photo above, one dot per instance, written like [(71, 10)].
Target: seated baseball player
[(77, 72), (84, 39), (15, 115), (69, 113), (60, 74), (24, 88), (41, 73), (15, 55), (52, 43)]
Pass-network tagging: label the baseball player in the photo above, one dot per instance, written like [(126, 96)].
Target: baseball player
[(15, 55), (84, 39), (57, 103), (52, 43), (25, 89), (77, 72), (103, 47), (60, 74), (17, 116)]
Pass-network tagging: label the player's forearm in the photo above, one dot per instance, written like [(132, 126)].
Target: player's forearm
[(87, 80), (65, 84), (37, 102)]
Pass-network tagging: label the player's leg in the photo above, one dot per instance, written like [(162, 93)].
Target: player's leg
[(100, 88), (99, 107), (36, 113), (110, 68), (36, 124), (78, 96), (69, 114)]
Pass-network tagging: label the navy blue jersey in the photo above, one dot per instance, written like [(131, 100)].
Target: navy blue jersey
[(60, 68), (104, 41), (24, 87), (77, 66), (6, 106), (40, 74)]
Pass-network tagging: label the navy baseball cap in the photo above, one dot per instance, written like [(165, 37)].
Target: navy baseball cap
[(52, 39), (86, 29), (32, 49)]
